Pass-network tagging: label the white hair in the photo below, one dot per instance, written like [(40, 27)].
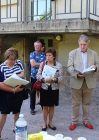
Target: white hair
[(84, 37)]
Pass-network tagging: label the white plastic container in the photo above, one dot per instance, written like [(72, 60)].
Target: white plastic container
[(67, 138), (21, 128), (59, 136), (44, 133), (81, 138)]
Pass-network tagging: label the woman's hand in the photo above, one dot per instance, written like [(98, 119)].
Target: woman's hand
[(54, 80), (51, 80), (18, 89), (48, 80), (21, 75)]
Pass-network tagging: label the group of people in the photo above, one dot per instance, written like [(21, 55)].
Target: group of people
[(49, 94), (82, 84)]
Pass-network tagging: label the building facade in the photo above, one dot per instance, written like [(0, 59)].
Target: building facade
[(58, 22)]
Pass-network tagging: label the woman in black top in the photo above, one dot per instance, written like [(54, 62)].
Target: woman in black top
[(4, 87)]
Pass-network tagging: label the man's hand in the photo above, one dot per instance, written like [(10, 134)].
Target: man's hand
[(34, 63), (94, 66), (80, 75)]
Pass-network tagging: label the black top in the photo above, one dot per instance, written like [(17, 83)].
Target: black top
[(9, 102), (1, 76)]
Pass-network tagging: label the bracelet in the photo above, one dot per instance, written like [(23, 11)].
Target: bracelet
[(14, 90)]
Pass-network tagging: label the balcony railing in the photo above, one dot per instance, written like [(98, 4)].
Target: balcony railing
[(42, 10)]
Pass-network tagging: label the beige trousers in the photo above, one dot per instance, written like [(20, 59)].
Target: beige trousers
[(80, 97)]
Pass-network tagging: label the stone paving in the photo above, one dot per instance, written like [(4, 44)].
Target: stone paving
[(62, 119)]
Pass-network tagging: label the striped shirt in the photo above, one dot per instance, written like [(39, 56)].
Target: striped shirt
[(17, 68)]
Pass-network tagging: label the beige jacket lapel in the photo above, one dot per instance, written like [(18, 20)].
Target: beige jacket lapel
[(89, 58), (80, 62)]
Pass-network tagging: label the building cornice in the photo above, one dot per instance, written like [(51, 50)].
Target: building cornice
[(53, 26)]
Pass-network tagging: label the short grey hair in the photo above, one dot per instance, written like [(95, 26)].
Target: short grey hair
[(38, 42), (84, 37)]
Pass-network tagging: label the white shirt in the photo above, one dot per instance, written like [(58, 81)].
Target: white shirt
[(84, 59)]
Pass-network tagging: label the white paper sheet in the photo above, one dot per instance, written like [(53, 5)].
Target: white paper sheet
[(48, 71), (87, 70), (15, 80)]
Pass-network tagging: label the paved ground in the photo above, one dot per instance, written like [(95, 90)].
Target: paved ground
[(62, 119)]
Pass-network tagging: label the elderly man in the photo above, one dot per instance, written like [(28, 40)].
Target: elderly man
[(36, 58), (82, 84)]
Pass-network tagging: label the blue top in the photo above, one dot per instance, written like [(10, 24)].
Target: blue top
[(38, 57)]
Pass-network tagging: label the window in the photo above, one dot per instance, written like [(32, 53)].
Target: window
[(40, 9)]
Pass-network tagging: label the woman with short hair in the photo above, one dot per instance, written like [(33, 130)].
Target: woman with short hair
[(10, 102), (49, 94)]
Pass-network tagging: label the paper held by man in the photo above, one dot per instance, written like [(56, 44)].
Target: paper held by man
[(87, 70), (15, 80)]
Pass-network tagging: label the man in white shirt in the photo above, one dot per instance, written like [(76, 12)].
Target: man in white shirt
[(81, 84)]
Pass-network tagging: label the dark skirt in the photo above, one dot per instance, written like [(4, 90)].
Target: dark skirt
[(49, 97), (10, 102)]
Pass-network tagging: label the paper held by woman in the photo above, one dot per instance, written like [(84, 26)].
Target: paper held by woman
[(48, 71), (15, 80)]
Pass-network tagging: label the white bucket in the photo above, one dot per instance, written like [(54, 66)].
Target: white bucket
[(59, 136), (67, 138), (81, 138)]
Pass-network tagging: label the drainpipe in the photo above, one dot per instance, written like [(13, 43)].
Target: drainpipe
[(53, 9), (24, 10), (0, 11), (88, 9)]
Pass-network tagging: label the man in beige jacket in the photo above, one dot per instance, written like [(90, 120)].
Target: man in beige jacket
[(82, 84)]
